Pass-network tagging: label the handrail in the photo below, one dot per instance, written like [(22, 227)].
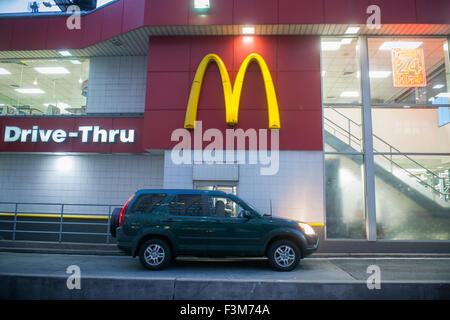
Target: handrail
[(62, 211), (423, 181)]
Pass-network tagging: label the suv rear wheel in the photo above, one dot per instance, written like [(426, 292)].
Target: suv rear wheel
[(284, 255), (155, 254)]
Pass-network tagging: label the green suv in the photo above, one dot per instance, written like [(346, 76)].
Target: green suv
[(159, 225)]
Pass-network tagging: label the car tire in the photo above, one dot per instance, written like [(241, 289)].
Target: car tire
[(284, 255), (114, 221), (155, 254)]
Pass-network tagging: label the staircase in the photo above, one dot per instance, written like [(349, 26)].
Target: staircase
[(429, 190)]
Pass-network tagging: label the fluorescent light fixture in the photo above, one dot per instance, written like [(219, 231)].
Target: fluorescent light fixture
[(248, 30), (75, 61), (2, 104), (52, 70), (346, 40), (30, 90), (379, 74), (349, 94), (352, 30), (443, 95), (388, 45), (438, 86), (4, 71), (202, 4), (65, 53), (330, 45)]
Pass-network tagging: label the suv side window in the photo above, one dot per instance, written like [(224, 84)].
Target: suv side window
[(186, 205), (224, 207), (147, 203)]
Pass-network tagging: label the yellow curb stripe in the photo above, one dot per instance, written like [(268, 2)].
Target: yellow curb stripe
[(34, 215)]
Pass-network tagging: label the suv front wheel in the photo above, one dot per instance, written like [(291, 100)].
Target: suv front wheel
[(284, 255), (155, 254)]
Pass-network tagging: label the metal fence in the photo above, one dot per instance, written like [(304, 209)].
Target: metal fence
[(59, 222)]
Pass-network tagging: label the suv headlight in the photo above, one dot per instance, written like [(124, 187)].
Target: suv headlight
[(307, 229)]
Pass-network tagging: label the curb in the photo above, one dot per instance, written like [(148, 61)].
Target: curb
[(14, 287)]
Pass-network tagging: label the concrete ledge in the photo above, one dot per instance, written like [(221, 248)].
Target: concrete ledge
[(54, 287), (60, 247)]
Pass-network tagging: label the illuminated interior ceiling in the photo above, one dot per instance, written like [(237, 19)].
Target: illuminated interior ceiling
[(64, 90), (342, 71)]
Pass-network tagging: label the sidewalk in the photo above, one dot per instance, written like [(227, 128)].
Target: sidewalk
[(43, 276)]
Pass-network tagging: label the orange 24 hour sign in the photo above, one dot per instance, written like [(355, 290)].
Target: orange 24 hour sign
[(408, 68)]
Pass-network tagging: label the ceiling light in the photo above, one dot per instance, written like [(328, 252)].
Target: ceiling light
[(443, 95), (352, 30), (35, 82), (388, 45), (30, 90), (4, 71), (346, 40), (75, 61), (330, 45), (248, 30), (65, 53), (349, 94), (438, 86), (80, 80), (379, 74), (202, 4), (52, 70)]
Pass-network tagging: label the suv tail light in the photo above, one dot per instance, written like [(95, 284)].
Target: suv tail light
[(122, 212)]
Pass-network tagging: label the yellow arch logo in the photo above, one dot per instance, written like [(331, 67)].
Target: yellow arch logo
[(232, 96)]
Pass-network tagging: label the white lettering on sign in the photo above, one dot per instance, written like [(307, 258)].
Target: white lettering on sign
[(88, 134)]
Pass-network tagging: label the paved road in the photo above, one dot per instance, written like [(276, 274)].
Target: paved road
[(310, 270)]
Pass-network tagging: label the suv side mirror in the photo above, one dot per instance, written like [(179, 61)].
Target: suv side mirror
[(247, 214)]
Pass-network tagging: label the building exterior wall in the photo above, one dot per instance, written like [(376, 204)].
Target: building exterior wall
[(296, 191), (77, 179), (117, 85)]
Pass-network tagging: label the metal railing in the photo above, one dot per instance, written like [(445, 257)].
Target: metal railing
[(61, 212), (436, 184)]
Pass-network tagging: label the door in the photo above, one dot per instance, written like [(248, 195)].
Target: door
[(231, 233), (188, 222)]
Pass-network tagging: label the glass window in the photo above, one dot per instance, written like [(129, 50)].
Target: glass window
[(340, 70), (227, 187), (147, 203), (342, 129), (412, 197), (225, 207), (43, 86), (345, 213), (409, 130), (186, 205), (409, 70)]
